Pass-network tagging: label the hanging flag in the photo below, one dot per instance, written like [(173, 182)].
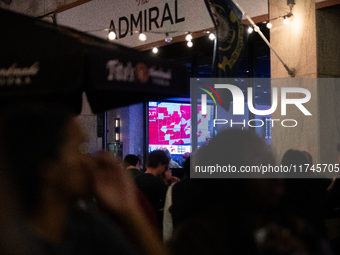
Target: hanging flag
[(231, 36)]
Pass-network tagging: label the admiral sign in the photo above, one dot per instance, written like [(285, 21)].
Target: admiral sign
[(147, 19)]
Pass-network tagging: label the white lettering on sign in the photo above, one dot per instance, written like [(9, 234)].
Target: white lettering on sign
[(160, 74), (18, 75), (146, 20), (119, 72), (13, 70)]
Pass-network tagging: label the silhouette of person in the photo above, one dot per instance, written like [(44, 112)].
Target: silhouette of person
[(44, 148)]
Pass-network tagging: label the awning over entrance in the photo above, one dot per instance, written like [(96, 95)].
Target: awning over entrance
[(44, 62)]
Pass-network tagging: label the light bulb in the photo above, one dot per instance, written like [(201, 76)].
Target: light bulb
[(111, 36), (188, 37), (269, 25), (286, 21), (250, 30), (142, 37), (190, 44), (155, 50), (212, 36)]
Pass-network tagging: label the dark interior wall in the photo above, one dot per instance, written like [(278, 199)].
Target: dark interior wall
[(328, 63), (328, 41)]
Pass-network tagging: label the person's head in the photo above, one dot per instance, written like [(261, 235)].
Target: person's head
[(298, 159), (239, 148), (42, 146), (186, 155), (308, 156), (295, 157), (157, 162), (167, 175), (235, 147), (131, 160), (168, 154)]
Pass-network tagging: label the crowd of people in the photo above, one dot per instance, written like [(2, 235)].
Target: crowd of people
[(56, 198)]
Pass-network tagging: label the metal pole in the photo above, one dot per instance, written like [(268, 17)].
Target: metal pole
[(193, 131), (104, 139), (146, 132), (291, 71)]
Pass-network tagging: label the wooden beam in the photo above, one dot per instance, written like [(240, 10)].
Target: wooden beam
[(257, 19), (175, 39), (327, 3), (72, 5)]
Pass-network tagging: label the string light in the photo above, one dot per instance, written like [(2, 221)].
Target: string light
[(168, 39), (188, 37), (286, 20), (212, 36), (142, 37), (250, 30), (111, 35), (155, 50)]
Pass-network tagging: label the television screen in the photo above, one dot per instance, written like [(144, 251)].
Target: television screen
[(170, 126)]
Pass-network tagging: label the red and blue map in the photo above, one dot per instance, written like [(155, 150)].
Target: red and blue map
[(170, 126)]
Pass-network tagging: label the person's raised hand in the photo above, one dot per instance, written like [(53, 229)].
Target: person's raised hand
[(113, 186), (175, 179)]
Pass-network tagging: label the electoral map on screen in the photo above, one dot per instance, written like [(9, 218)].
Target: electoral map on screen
[(170, 126)]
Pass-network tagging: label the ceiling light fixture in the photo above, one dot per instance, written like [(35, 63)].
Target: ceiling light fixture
[(154, 50), (212, 36), (142, 37), (111, 35), (188, 37)]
